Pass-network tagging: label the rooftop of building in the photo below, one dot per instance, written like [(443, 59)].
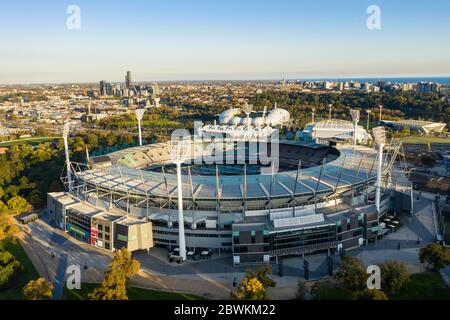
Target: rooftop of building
[(416, 122)]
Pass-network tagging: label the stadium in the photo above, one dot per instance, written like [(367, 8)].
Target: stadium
[(321, 198)]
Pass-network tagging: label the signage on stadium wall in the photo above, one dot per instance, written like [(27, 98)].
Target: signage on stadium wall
[(83, 233)]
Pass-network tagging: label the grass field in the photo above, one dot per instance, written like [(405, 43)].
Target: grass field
[(424, 140), (30, 272), (334, 293), (30, 141), (132, 292), (424, 286)]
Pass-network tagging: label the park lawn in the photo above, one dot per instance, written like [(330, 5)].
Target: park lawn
[(447, 232), (424, 140), (424, 286), (331, 292), (31, 141), (132, 292), (30, 273)]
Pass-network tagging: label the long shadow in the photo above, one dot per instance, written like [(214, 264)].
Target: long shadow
[(59, 279)]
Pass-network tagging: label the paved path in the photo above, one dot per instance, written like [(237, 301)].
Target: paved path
[(58, 284)]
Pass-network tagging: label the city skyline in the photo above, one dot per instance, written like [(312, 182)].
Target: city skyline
[(200, 40)]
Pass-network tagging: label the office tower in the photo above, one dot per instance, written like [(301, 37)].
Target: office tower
[(428, 87), (102, 88), (109, 89), (128, 82)]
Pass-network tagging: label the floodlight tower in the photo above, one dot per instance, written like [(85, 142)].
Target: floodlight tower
[(178, 155), (66, 149), (368, 119), (139, 114), (264, 115), (312, 118), (329, 111), (379, 135), (381, 108), (355, 116), (247, 110)]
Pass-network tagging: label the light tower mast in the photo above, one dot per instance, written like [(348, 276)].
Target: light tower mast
[(247, 110), (329, 111), (312, 117), (381, 108), (368, 119), (66, 149), (355, 116), (139, 114), (179, 151), (379, 135)]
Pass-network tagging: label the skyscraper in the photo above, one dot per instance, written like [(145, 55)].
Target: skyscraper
[(102, 88), (428, 87), (128, 80)]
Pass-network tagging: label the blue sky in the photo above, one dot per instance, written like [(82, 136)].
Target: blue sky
[(215, 39)]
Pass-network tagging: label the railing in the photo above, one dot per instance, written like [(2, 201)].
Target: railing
[(302, 250)]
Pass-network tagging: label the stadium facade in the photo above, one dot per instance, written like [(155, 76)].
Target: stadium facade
[(320, 199)]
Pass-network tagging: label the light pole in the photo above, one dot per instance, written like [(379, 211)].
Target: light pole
[(178, 155), (379, 135), (247, 110), (66, 149), (381, 108), (139, 114), (329, 111), (368, 119), (312, 118), (355, 116)]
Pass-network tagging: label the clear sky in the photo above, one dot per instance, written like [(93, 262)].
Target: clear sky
[(221, 39)]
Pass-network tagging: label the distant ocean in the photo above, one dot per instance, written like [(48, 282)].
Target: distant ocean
[(441, 80)]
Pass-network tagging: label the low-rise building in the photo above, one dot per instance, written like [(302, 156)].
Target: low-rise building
[(109, 230)]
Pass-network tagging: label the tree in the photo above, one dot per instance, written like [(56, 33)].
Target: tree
[(3, 207), (10, 268), (301, 291), (261, 275), (250, 289), (18, 205), (319, 288), (120, 270), (7, 227), (370, 294), (435, 255), (352, 274), (39, 289), (393, 277)]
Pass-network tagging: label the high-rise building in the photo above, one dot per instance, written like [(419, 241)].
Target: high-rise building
[(428, 87), (109, 89), (406, 86), (102, 88), (128, 82), (106, 88)]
